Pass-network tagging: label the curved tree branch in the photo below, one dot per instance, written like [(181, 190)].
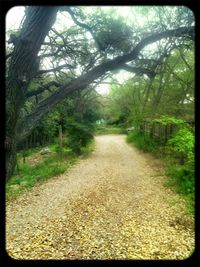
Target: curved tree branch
[(139, 71), (81, 82)]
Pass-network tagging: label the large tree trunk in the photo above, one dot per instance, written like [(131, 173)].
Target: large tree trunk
[(22, 67)]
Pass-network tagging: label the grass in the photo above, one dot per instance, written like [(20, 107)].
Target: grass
[(28, 152), (56, 148), (53, 164), (28, 176), (180, 177), (109, 130)]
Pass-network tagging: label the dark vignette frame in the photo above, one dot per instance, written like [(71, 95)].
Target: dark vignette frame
[(5, 259)]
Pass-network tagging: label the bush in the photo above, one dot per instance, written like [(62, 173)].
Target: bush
[(79, 135), (141, 141), (182, 178), (182, 143), (165, 120)]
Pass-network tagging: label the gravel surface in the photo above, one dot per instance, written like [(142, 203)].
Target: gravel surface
[(110, 205)]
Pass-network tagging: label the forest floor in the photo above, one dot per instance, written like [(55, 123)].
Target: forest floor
[(109, 205)]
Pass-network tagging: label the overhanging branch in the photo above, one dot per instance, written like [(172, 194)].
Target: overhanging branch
[(139, 71), (81, 82)]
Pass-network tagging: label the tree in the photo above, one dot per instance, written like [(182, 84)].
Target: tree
[(169, 92), (22, 67), (85, 60)]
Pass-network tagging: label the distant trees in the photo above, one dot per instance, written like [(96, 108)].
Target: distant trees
[(80, 54), (169, 92)]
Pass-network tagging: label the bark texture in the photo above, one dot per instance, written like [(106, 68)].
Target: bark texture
[(22, 68)]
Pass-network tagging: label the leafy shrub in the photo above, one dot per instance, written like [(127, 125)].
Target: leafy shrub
[(165, 120), (141, 141), (182, 143), (183, 179), (79, 135)]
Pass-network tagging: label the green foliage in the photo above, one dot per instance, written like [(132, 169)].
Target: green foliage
[(165, 94), (78, 115), (79, 135), (48, 127), (124, 105), (165, 120), (181, 177), (182, 143), (28, 152), (28, 176), (141, 141), (181, 180), (88, 148), (107, 129), (56, 147)]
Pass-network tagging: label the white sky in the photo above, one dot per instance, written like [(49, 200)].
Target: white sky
[(13, 17)]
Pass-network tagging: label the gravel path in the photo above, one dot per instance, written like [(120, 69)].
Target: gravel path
[(110, 205)]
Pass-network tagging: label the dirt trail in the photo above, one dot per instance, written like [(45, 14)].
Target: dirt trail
[(110, 205)]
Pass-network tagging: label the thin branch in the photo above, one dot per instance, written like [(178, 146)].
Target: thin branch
[(184, 60), (85, 26), (56, 69)]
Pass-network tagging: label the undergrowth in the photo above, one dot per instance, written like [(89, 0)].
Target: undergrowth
[(143, 142), (28, 176), (28, 152), (106, 129), (53, 164), (181, 180)]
